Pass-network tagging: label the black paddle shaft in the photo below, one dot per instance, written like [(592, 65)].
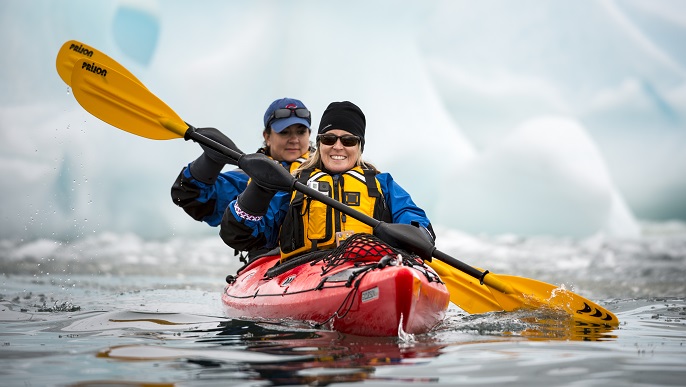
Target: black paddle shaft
[(404, 236)]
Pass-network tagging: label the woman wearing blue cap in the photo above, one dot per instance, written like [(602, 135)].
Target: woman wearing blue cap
[(204, 192), (297, 224), (287, 131)]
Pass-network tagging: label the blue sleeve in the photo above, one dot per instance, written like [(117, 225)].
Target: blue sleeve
[(226, 189), (402, 207), (269, 225)]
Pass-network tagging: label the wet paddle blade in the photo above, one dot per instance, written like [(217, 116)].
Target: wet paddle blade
[(510, 293), (529, 293), (123, 103), (73, 50), (465, 290)]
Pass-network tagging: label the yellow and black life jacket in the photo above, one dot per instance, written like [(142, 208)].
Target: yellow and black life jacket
[(312, 225)]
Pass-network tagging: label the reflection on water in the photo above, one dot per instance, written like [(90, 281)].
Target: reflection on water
[(288, 353), (146, 348), (284, 353)]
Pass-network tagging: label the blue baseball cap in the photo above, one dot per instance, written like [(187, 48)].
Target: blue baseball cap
[(296, 115)]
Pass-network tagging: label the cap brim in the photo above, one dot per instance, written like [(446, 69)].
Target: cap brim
[(279, 125)]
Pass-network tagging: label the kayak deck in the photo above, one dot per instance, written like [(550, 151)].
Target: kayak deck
[(363, 287)]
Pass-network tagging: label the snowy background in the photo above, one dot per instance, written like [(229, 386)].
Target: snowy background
[(500, 117)]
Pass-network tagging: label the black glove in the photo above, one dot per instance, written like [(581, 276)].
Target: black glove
[(206, 168), (428, 231), (255, 199), (412, 238)]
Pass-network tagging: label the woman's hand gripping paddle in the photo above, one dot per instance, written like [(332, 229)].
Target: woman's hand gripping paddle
[(133, 108)]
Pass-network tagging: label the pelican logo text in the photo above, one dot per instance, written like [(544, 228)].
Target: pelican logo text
[(94, 69), (81, 50)]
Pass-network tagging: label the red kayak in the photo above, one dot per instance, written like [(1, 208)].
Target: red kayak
[(363, 287)]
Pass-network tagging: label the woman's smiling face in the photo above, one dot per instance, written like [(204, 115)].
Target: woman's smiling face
[(338, 158)]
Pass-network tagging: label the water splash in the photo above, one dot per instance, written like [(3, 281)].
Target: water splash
[(406, 339)]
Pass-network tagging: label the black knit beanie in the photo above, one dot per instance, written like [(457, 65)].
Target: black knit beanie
[(346, 116)]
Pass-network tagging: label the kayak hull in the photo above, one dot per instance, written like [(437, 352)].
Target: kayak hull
[(357, 296)]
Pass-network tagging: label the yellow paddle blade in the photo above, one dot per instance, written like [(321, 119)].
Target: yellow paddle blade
[(465, 290), (529, 293), (123, 103), (73, 50), (509, 293)]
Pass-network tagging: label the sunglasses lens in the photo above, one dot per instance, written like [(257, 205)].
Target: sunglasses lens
[(347, 140), (302, 113), (282, 113), (328, 139)]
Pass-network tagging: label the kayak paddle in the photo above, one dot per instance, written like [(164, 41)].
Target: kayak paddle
[(127, 105), (465, 292)]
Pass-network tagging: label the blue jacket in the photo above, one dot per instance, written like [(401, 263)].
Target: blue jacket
[(266, 230), (208, 202)]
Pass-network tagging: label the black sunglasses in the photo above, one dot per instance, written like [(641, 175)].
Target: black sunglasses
[(287, 112), (346, 139)]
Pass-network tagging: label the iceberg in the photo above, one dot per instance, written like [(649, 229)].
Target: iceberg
[(545, 178), (498, 117)]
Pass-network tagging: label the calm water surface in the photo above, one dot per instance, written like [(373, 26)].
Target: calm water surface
[(117, 310)]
